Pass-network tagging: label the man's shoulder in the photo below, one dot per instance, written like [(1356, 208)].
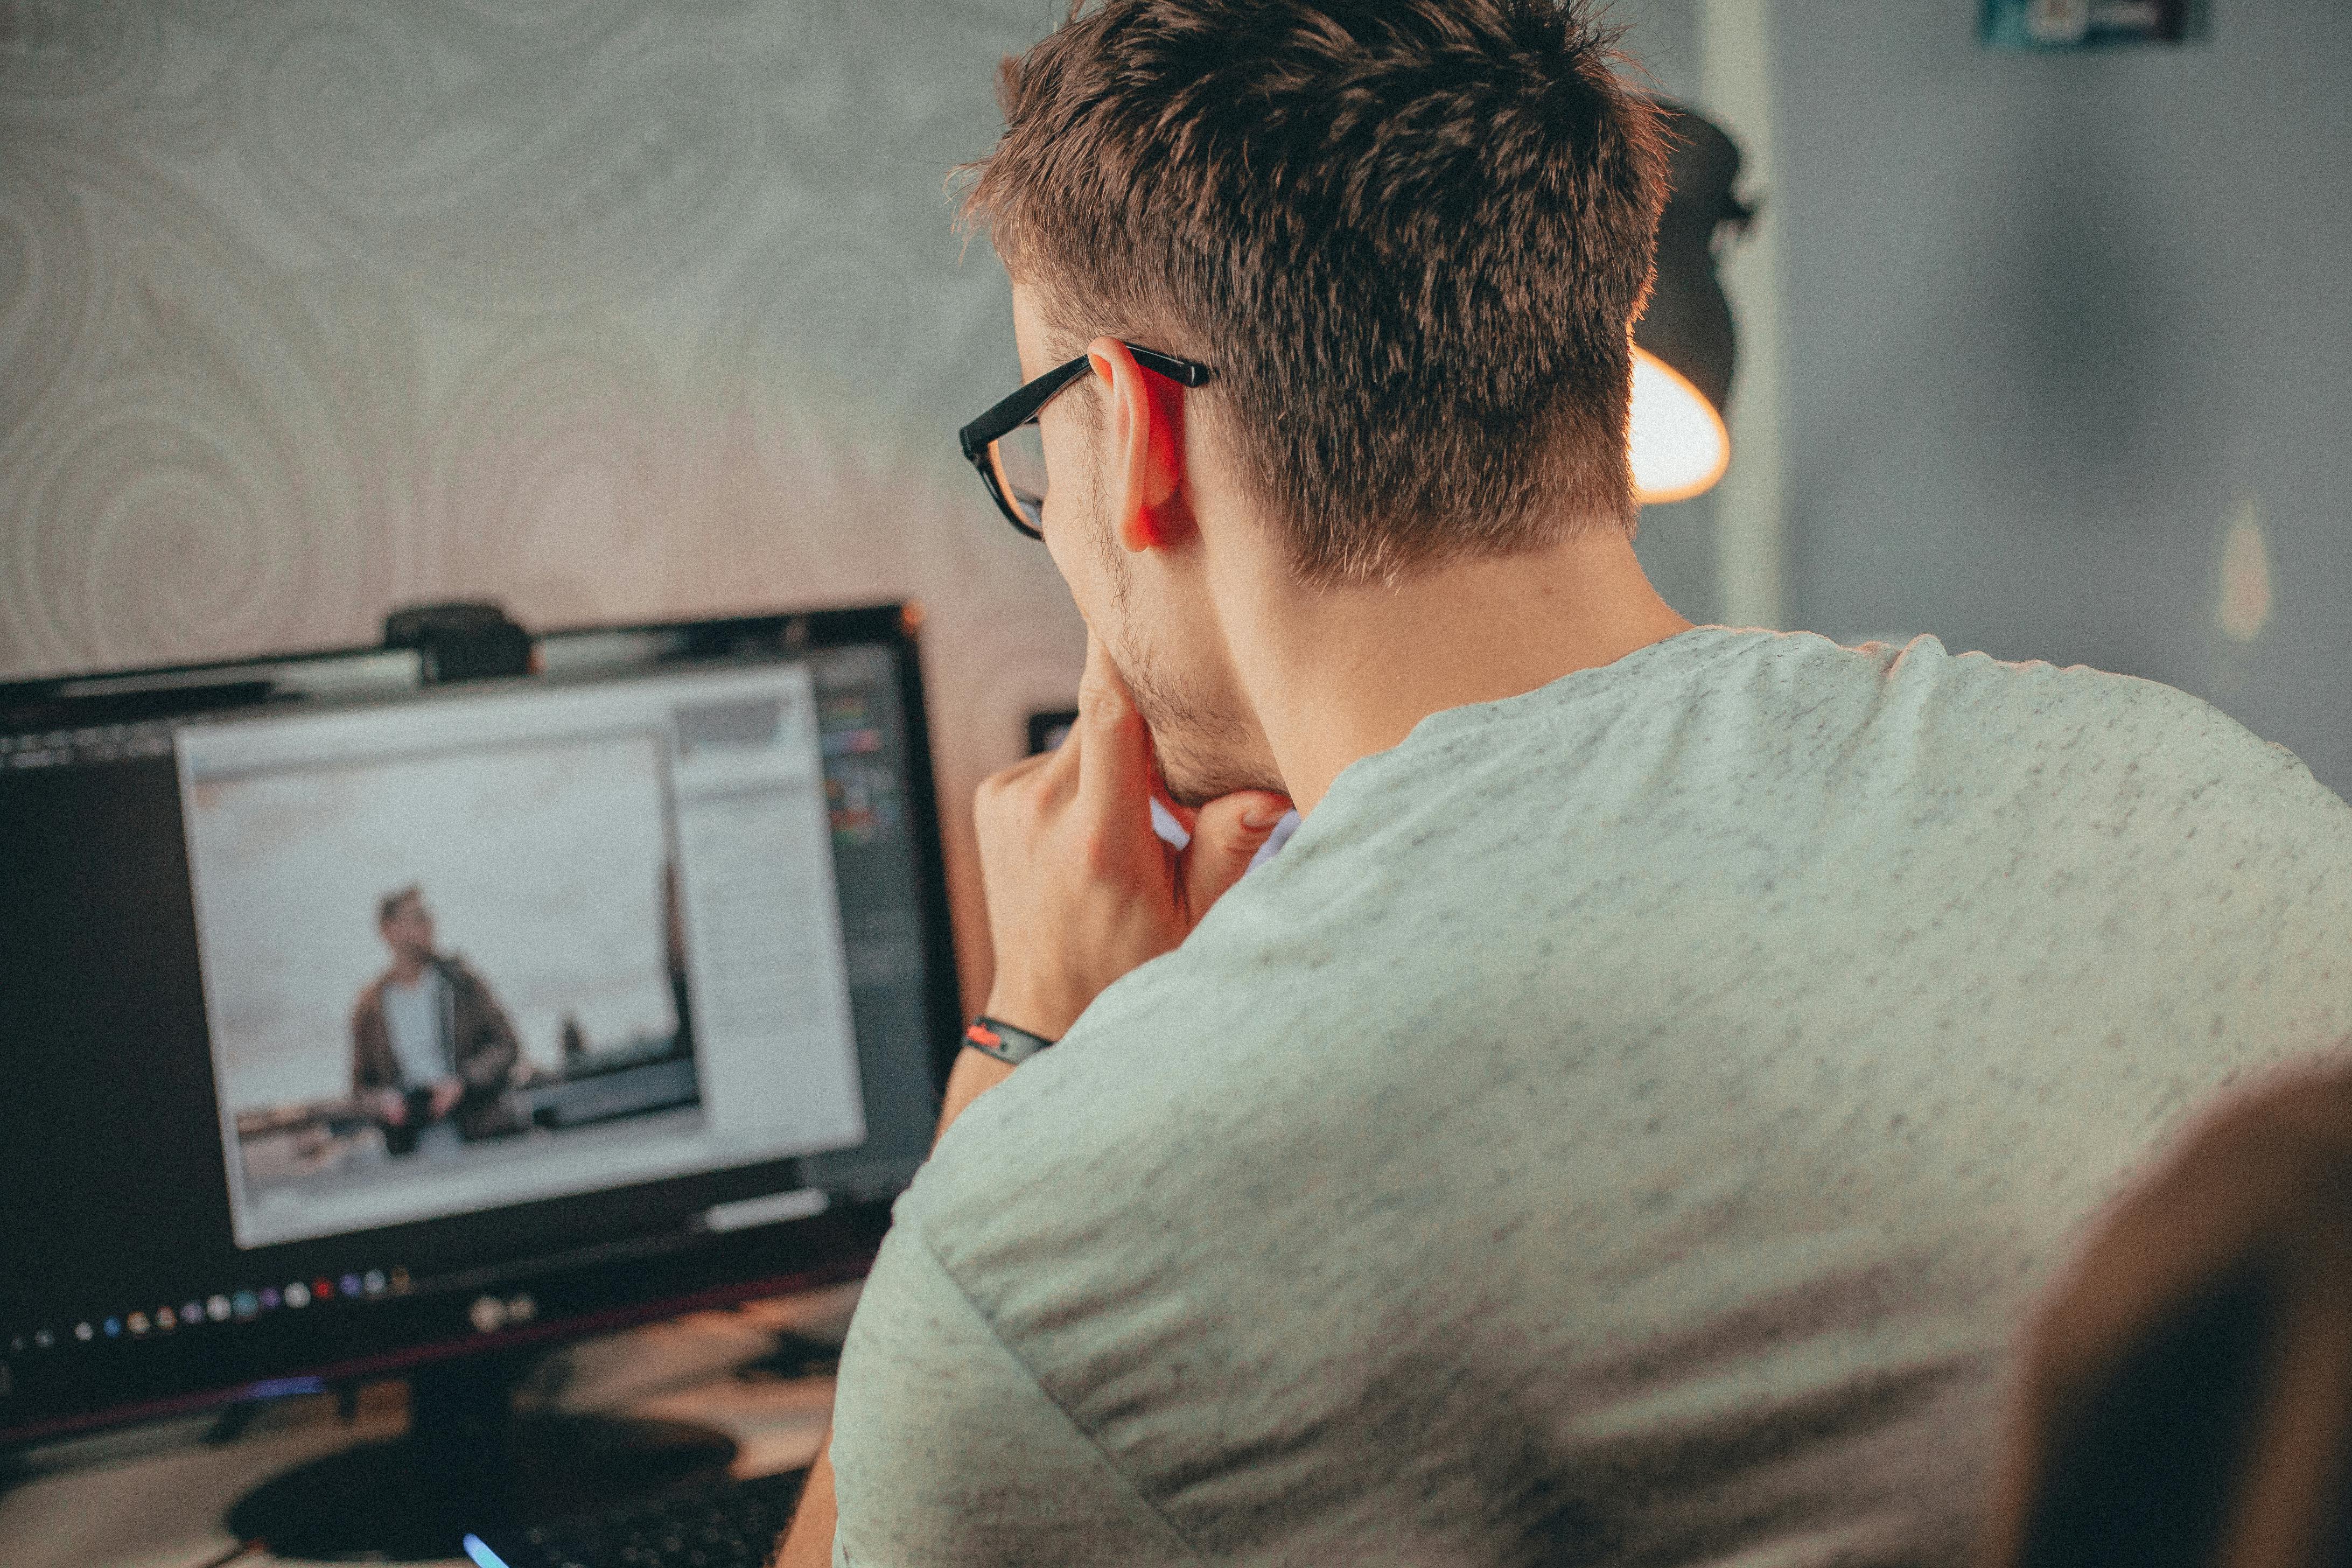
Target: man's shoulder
[(1716, 705), (1967, 724), (371, 997), (2140, 737)]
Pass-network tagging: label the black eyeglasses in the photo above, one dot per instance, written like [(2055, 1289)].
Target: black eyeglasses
[(1004, 445)]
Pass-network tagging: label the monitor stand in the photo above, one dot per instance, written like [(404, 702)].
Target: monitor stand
[(468, 1458)]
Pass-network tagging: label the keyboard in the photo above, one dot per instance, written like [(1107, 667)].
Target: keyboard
[(729, 1524)]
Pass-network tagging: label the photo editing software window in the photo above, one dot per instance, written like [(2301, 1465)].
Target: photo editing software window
[(401, 991), (531, 943)]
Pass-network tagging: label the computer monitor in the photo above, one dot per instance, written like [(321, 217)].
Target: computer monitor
[(354, 1022)]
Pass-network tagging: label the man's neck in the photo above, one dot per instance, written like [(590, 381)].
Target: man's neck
[(407, 971), (1338, 674)]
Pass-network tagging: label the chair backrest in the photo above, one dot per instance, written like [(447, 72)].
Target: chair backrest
[(2184, 1394)]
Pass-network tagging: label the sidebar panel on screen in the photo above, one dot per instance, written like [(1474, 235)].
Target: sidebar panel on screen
[(107, 1104)]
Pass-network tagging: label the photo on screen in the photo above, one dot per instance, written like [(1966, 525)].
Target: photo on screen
[(441, 980)]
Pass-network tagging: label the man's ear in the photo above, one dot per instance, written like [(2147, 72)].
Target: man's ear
[(1143, 433)]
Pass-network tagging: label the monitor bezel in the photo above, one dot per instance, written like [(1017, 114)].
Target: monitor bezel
[(833, 1246)]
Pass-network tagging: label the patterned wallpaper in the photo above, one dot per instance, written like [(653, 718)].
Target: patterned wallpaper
[(603, 308)]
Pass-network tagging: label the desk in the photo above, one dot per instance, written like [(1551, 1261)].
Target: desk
[(152, 1497)]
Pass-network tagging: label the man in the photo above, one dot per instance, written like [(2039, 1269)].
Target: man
[(431, 1048), (1626, 1121)]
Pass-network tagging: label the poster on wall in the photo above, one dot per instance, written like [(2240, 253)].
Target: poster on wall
[(2090, 24)]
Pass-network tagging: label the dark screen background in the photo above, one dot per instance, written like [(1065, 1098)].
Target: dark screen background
[(107, 1122)]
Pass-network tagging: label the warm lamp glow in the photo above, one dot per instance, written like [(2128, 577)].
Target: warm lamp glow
[(1680, 447)]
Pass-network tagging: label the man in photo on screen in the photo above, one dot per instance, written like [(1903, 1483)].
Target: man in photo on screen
[(432, 1051)]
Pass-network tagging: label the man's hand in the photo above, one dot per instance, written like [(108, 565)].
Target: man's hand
[(390, 1106), (447, 1093), (1080, 889)]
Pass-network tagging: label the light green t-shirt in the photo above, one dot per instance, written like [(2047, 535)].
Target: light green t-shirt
[(1624, 1125)]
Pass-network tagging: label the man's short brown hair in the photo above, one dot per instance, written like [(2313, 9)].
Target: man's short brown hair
[(389, 905), (1410, 235)]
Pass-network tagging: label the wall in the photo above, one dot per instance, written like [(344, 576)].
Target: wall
[(1678, 541), (313, 307), (2069, 349)]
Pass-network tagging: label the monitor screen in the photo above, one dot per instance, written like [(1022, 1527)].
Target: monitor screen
[(351, 1020)]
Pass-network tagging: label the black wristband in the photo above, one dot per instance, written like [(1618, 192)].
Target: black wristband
[(1007, 1043)]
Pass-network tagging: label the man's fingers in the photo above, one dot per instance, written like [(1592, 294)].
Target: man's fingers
[(1113, 747), (1228, 831), (1037, 782), (1024, 771)]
